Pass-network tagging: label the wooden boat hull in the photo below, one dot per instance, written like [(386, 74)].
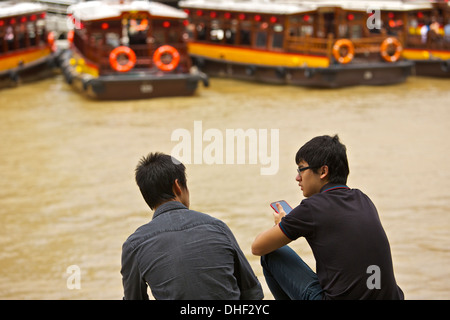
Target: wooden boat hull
[(131, 85), (432, 68), (429, 63), (334, 76), (28, 72)]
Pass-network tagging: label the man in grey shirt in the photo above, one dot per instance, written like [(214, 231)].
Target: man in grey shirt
[(181, 253)]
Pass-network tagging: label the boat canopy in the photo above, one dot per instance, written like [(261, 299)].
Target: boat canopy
[(288, 7), (8, 9), (269, 7), (98, 10)]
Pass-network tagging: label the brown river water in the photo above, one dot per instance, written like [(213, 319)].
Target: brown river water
[(68, 199)]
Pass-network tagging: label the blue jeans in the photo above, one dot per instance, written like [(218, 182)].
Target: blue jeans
[(289, 277)]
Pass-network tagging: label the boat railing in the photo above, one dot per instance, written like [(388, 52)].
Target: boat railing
[(308, 45), (418, 41), (99, 55), (324, 46)]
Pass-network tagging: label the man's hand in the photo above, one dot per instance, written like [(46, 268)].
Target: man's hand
[(278, 216)]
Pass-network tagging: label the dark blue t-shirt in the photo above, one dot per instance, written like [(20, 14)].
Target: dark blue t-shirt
[(184, 254), (347, 239)]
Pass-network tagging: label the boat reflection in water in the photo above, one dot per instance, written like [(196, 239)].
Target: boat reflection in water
[(129, 50), (308, 43), (27, 48)]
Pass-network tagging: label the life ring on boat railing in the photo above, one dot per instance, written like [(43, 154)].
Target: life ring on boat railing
[(166, 50), (122, 67), (70, 35), (51, 40), (338, 45), (385, 48)]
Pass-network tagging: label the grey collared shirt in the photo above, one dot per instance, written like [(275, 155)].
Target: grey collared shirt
[(184, 254)]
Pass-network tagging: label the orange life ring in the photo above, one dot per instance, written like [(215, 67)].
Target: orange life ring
[(337, 51), (166, 66), (70, 35), (122, 67), (384, 49), (51, 40)]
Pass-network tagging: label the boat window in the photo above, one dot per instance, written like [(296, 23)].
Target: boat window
[(343, 31), (246, 32), (216, 34), (261, 35), (31, 30), (352, 31), (112, 39), (190, 31), (137, 31), (277, 41), (201, 31), (301, 26), (307, 30), (173, 35), (356, 31), (9, 37), (21, 35), (158, 38), (230, 32), (40, 31)]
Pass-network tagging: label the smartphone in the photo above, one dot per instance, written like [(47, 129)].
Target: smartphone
[(286, 207)]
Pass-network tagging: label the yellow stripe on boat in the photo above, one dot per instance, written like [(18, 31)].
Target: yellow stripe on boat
[(82, 66), (13, 60), (423, 54), (255, 56)]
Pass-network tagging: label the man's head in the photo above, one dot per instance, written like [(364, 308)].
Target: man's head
[(326, 160), (162, 178)]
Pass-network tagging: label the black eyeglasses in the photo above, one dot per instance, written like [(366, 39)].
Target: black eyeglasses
[(300, 170)]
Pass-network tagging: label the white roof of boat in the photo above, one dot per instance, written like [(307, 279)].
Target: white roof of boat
[(396, 5), (299, 6), (96, 10), (260, 6), (8, 9)]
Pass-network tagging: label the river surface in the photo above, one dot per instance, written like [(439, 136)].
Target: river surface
[(68, 199)]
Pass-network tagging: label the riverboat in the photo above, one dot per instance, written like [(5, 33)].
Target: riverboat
[(306, 43), (427, 38), (27, 49), (129, 50)]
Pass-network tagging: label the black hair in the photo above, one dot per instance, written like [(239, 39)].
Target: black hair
[(326, 150), (155, 175)]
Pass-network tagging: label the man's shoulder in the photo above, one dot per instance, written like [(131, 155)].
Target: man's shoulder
[(204, 218), (174, 221)]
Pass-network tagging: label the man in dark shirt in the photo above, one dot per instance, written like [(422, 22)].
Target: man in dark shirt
[(180, 253), (352, 252)]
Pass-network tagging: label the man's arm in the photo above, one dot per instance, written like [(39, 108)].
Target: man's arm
[(271, 239), (134, 286)]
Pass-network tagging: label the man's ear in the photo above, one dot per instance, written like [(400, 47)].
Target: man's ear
[(176, 188), (324, 172)]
